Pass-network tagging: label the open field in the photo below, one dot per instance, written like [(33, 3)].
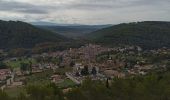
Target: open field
[(66, 83), (17, 63), (39, 77), (62, 71)]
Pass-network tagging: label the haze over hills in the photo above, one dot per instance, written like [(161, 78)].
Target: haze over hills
[(16, 34), (72, 30), (44, 23), (148, 34)]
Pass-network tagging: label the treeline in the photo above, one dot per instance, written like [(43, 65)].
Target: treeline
[(44, 48), (3, 65), (50, 47), (37, 92), (148, 35), (150, 87)]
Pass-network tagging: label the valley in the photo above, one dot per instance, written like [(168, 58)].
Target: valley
[(100, 62)]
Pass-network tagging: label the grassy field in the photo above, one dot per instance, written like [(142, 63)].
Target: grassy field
[(66, 83), (61, 71), (42, 77), (17, 64)]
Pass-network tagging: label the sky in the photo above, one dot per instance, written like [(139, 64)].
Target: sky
[(85, 11)]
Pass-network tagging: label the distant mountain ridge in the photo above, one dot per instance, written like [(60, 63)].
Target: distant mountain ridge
[(148, 34), (73, 31), (46, 23), (43, 23), (17, 34)]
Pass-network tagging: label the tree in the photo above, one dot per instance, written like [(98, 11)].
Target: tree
[(85, 71), (44, 92), (72, 63), (94, 71), (55, 60), (30, 66), (60, 60), (77, 74), (39, 59), (107, 83), (24, 66), (3, 65)]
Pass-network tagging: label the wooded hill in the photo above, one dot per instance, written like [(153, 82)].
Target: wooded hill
[(148, 34), (17, 34)]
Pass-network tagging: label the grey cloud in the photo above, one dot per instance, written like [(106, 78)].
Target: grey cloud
[(21, 7), (113, 4), (102, 11), (77, 5)]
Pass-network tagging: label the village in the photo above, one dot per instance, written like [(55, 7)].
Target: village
[(76, 64)]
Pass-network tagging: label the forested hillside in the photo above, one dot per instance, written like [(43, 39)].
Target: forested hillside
[(149, 34), (16, 34)]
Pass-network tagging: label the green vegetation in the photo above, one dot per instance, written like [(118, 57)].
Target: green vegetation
[(17, 63), (3, 65), (148, 35), (22, 39), (22, 35), (14, 91), (66, 84), (39, 77), (45, 47), (51, 46), (151, 87), (62, 71), (38, 86)]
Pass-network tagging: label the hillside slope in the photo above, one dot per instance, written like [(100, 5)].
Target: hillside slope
[(148, 34), (16, 34)]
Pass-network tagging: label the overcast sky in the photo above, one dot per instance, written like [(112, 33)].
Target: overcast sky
[(85, 11)]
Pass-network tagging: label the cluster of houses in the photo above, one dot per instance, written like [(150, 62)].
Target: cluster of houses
[(86, 56), (82, 57)]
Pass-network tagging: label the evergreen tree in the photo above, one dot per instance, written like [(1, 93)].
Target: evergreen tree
[(94, 71)]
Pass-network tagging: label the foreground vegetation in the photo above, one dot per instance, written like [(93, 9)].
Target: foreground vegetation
[(151, 87)]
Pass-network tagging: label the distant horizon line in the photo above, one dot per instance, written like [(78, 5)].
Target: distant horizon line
[(48, 23)]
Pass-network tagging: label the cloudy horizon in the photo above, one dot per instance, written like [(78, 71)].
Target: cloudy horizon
[(85, 11)]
